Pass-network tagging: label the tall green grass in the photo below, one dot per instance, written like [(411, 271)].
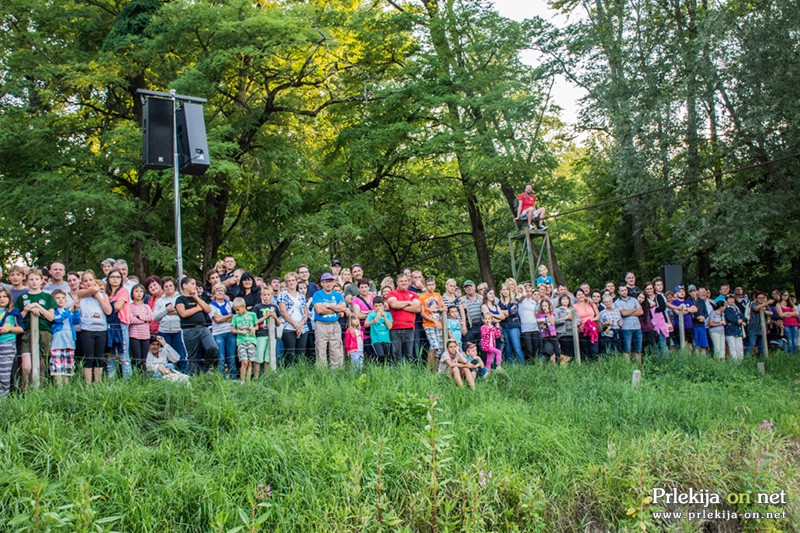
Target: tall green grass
[(537, 449)]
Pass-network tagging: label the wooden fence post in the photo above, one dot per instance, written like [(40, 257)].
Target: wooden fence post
[(576, 343), (682, 328), (764, 340), (273, 347), (35, 357)]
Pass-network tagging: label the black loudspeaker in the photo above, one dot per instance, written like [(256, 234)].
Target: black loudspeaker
[(672, 275), (157, 133), (192, 142)]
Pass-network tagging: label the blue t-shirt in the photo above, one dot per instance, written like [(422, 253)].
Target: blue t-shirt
[(321, 297), (546, 279), (378, 332)]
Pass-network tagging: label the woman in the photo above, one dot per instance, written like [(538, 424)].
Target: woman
[(362, 306), (513, 289), (248, 291), (169, 323), (153, 284), (94, 308), (294, 311), (388, 281), (346, 278), (716, 329), (589, 318), (787, 310), (74, 282), (221, 315), (490, 306), (511, 325), (649, 336), (657, 306), (118, 320), (564, 316), (529, 326)]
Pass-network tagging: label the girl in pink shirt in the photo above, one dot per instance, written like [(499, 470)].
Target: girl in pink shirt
[(489, 335), (139, 328)]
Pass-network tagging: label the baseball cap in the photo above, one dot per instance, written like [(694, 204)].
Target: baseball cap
[(336, 262), (327, 276), (691, 288), (469, 345), (468, 282), (677, 288)]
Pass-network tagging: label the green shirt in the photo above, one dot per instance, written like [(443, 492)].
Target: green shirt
[(246, 321), (45, 300)]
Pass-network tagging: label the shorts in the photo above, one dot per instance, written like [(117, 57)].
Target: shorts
[(246, 351), (62, 362), (434, 338), (45, 339)]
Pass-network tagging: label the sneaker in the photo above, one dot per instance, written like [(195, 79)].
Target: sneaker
[(542, 227), (530, 226)]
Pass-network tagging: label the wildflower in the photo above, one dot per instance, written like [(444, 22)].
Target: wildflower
[(766, 425), (483, 481), (490, 474)]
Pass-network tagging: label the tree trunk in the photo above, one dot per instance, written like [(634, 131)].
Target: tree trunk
[(275, 258), (215, 206), (479, 237)]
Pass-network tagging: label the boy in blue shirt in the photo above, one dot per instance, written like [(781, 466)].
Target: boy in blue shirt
[(379, 323)]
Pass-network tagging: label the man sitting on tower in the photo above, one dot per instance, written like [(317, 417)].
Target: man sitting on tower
[(526, 209)]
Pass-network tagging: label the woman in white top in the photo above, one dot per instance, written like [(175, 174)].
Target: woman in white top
[(169, 323), (294, 311), (94, 308)]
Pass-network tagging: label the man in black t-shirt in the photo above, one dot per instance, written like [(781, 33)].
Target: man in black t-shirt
[(192, 310)]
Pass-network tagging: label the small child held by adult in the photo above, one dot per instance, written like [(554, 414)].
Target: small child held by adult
[(354, 342), (489, 334), (161, 359)]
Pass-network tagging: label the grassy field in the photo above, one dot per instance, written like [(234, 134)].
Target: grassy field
[(536, 449)]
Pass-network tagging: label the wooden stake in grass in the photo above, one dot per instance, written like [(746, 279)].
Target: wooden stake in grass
[(35, 351), (761, 369), (637, 377)]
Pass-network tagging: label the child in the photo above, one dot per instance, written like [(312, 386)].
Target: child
[(472, 357), (243, 325), (379, 323), (546, 319), (454, 323), (10, 320), (39, 304), (139, 328), (455, 365), (264, 311), (62, 348), (611, 321), (489, 335), (544, 277), (354, 342), (161, 358)]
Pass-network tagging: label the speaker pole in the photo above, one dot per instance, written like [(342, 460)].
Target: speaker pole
[(176, 188), (176, 178)]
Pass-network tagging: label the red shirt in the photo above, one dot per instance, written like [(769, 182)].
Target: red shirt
[(401, 318), (527, 201)]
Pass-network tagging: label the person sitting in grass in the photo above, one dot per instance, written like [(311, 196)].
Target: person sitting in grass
[(161, 359), (472, 357), (456, 365)]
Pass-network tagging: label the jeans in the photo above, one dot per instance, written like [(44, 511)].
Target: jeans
[(383, 351), (176, 341), (124, 358), (226, 354), (662, 344), (513, 343), (194, 339), (610, 344), (402, 344), (791, 339), (631, 340), (294, 346), (753, 340)]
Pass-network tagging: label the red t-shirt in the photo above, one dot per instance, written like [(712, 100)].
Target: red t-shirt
[(527, 201), (401, 318)]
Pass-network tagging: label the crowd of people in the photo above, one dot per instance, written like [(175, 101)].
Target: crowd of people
[(111, 322)]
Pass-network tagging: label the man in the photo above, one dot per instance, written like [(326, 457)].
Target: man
[(227, 278), (57, 273), (631, 329), (122, 266), (526, 209), (418, 286), (611, 289), (192, 311), (473, 302), (327, 332), (482, 288), (754, 323), (303, 273), (336, 269), (700, 318), (563, 290), (724, 291), (630, 283), (586, 288), (404, 306), (740, 295), (351, 291)]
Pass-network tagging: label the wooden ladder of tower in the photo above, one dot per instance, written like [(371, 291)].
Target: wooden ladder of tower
[(524, 247)]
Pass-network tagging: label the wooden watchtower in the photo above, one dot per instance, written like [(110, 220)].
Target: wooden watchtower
[(534, 247)]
